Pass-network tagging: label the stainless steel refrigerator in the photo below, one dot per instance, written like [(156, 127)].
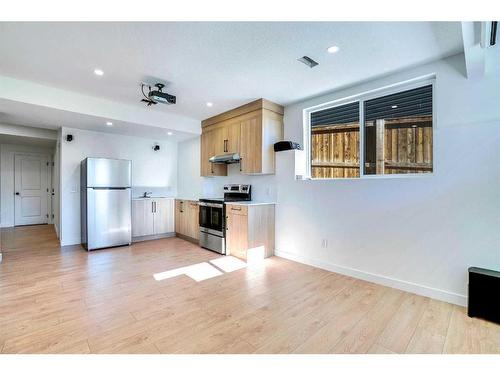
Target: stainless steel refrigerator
[(106, 202)]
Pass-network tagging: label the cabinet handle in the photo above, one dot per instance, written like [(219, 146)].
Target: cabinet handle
[(241, 164), (225, 145), (212, 167), (235, 209)]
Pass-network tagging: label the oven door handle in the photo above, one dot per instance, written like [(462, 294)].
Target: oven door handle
[(206, 204)]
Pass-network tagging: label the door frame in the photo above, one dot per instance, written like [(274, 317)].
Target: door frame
[(50, 187)]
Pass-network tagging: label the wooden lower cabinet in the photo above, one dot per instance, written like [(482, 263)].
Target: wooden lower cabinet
[(250, 231), (152, 217), (236, 235), (186, 218)]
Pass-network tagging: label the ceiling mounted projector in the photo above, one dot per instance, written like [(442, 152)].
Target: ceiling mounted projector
[(156, 96)]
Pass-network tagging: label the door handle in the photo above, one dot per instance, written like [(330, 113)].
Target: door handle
[(17, 193)]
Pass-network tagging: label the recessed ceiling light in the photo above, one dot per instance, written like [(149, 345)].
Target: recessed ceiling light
[(109, 123), (210, 104), (394, 106), (98, 72), (169, 133), (333, 49)]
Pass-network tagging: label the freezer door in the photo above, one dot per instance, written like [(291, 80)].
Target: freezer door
[(109, 172), (108, 217)]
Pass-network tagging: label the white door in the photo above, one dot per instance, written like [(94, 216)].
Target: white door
[(163, 215), (30, 188), (142, 217)]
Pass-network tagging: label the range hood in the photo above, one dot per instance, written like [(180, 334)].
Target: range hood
[(225, 158)]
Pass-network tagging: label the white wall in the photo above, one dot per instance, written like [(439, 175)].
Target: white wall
[(151, 170), (7, 152), (418, 234), (56, 185), (192, 186)]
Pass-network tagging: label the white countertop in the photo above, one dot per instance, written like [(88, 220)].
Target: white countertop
[(248, 203)]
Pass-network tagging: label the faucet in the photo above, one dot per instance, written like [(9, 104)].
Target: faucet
[(147, 194)]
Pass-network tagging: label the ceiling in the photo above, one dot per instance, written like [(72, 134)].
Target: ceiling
[(24, 114), (27, 141), (225, 63)]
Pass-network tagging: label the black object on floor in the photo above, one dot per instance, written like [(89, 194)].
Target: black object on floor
[(484, 294)]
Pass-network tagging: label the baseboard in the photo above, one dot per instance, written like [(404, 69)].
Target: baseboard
[(72, 241), (426, 291), (152, 237)]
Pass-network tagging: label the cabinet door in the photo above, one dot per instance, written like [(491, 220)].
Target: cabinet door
[(218, 138), (237, 235), (212, 143), (179, 216), (231, 135), (142, 217), (251, 144), (164, 215), (205, 155), (193, 220)]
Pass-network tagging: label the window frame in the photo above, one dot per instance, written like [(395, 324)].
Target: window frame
[(361, 98)]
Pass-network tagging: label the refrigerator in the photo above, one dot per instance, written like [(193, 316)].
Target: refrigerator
[(106, 203)]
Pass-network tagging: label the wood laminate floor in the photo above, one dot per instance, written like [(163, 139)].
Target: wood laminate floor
[(65, 300)]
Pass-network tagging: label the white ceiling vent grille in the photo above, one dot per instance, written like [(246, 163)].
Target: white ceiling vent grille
[(308, 61)]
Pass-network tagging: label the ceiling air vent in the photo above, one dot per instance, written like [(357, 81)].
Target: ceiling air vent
[(308, 61)]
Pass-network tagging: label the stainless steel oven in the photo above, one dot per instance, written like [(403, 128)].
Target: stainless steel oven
[(213, 216), (212, 225)]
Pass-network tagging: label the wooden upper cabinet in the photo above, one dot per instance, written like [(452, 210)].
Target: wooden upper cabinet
[(231, 137), (251, 141), (218, 139), (212, 144), (250, 130)]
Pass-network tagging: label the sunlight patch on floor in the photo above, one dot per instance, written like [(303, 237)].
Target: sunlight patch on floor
[(256, 255), (228, 263), (198, 272)]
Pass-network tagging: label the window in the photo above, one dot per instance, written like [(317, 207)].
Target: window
[(395, 135), (335, 142), (398, 132)]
